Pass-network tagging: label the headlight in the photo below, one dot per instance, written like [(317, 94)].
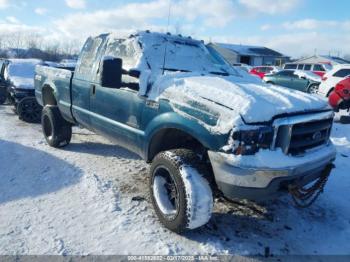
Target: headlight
[(248, 142)]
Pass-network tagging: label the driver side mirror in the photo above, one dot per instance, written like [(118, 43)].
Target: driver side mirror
[(112, 70)]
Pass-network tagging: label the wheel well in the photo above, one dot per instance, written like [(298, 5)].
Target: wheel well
[(48, 96), (330, 91), (172, 138)]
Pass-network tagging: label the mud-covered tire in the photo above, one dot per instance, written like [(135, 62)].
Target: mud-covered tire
[(3, 95), (57, 131), (29, 110), (181, 196)]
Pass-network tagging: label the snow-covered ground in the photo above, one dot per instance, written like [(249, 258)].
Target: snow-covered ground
[(92, 198)]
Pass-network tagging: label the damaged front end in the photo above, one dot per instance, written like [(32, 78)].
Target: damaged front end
[(260, 162)]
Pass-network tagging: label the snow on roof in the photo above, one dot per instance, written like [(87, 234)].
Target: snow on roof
[(250, 50)]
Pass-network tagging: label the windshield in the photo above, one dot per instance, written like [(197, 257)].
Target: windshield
[(24, 69), (181, 54)]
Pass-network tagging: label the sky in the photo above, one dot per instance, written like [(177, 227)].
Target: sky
[(293, 27)]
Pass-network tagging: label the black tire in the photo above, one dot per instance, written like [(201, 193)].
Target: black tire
[(180, 195), (3, 95), (312, 89), (57, 131), (29, 110), (269, 82)]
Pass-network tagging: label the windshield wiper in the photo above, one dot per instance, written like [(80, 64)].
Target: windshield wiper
[(220, 73), (176, 70)]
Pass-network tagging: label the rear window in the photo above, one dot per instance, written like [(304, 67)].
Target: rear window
[(342, 73), (290, 66), (319, 68), (307, 67), (286, 73)]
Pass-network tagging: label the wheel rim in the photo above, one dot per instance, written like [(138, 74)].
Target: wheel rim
[(47, 127), (165, 192), (313, 90), (30, 110)]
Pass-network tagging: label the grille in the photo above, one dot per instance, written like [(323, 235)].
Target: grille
[(297, 138)]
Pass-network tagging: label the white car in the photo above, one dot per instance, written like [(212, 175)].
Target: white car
[(333, 77)]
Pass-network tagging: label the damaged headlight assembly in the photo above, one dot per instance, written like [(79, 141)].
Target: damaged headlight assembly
[(249, 141)]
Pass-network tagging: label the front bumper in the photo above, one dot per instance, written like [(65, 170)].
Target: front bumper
[(253, 182), (17, 94)]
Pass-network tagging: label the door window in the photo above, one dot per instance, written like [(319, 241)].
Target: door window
[(300, 66), (307, 67), (125, 50), (287, 73), (319, 68), (342, 73), (290, 66)]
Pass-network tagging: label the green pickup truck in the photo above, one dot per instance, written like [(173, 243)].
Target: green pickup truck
[(204, 126)]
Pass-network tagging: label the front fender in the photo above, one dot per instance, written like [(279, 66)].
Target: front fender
[(172, 120)]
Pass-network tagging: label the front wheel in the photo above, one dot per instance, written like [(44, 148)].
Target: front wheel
[(313, 89), (29, 110), (181, 196), (57, 131)]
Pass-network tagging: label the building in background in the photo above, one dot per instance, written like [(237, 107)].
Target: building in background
[(322, 59), (250, 55)]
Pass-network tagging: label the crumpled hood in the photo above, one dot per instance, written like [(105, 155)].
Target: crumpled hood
[(23, 83), (224, 101)]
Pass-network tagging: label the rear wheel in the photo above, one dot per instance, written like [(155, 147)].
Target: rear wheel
[(3, 95), (57, 131), (313, 89), (29, 110), (181, 196)]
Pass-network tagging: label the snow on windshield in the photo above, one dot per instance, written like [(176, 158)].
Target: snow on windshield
[(181, 54), (21, 72)]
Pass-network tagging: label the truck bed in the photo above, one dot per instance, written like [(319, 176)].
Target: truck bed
[(58, 78)]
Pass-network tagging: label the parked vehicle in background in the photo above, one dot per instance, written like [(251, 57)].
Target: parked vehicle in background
[(203, 125), (339, 98), (319, 69), (18, 76), (295, 79), (3, 84), (332, 78), (70, 63), (261, 71), (244, 67)]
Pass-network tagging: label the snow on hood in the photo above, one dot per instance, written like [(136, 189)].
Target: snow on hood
[(21, 72), (220, 103), (308, 75)]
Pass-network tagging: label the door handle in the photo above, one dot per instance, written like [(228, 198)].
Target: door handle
[(93, 89)]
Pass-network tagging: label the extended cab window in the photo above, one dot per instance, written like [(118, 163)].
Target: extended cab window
[(88, 57), (342, 73)]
